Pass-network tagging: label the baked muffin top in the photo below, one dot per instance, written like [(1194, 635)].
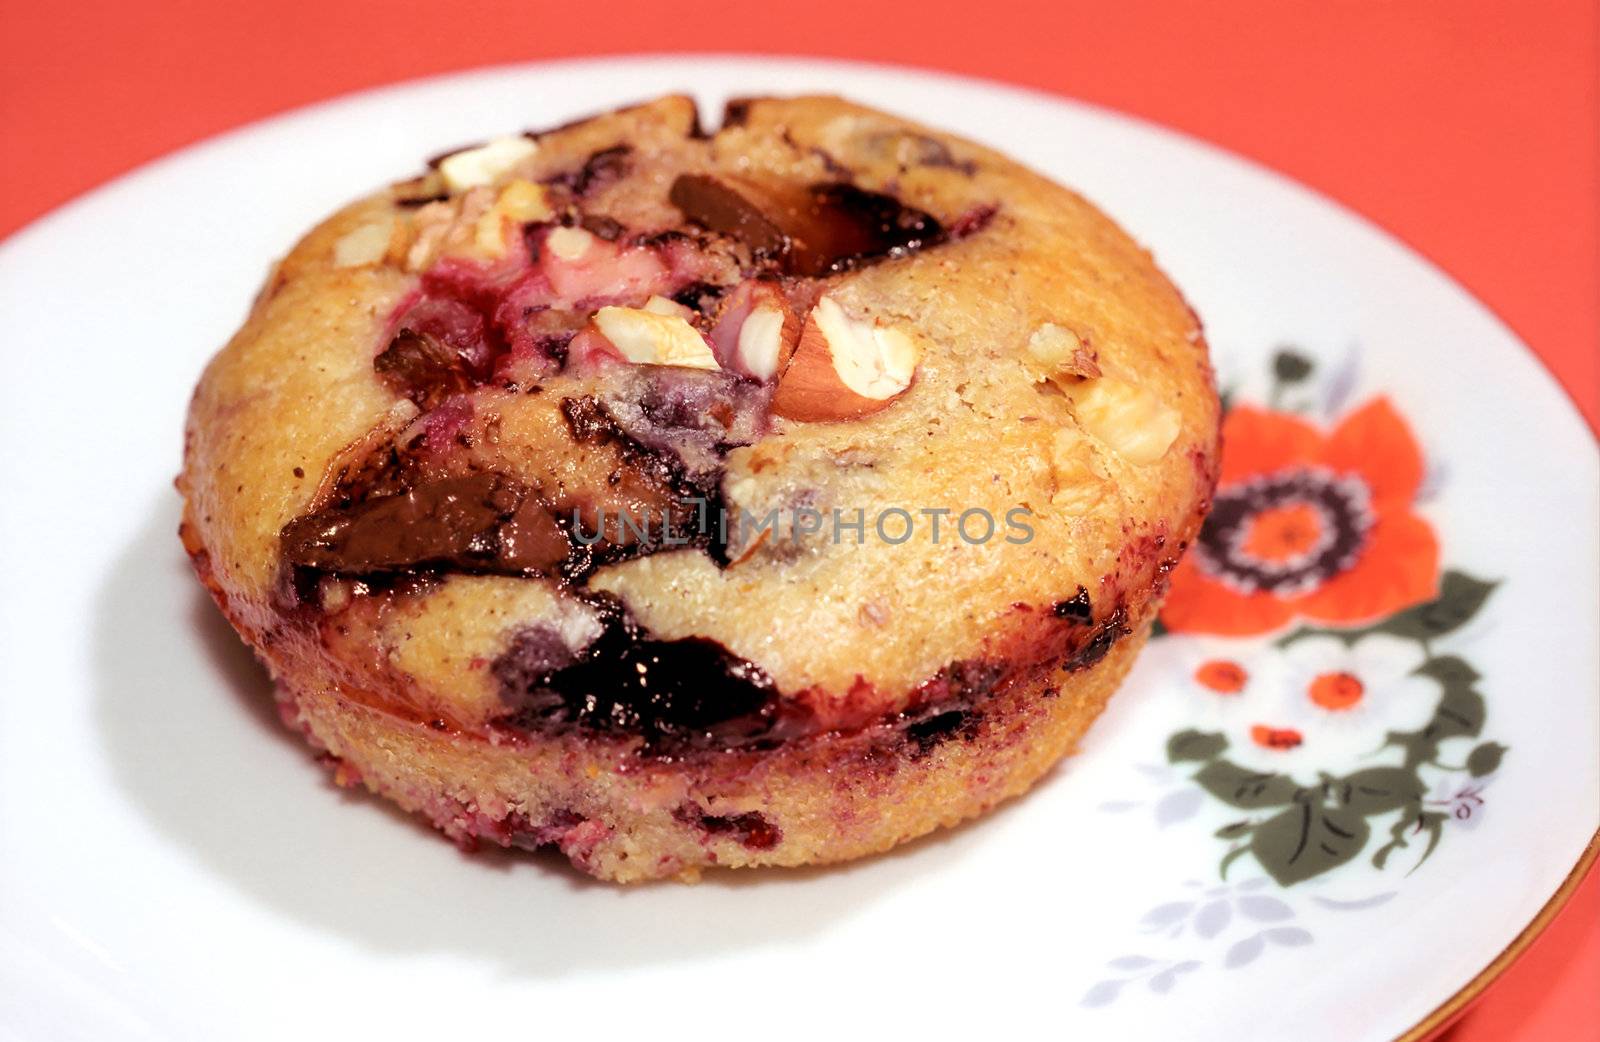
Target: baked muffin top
[(702, 439)]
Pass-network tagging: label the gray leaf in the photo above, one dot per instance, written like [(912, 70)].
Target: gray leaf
[(1130, 962), (1162, 982), (1340, 383), (1213, 919), (1102, 994), (1177, 806), (1265, 909), (1289, 936), (1244, 952), (1167, 914)]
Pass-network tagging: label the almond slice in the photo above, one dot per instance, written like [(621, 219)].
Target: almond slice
[(844, 368), (766, 340), (367, 244), (647, 338), (755, 330), (659, 305), (485, 164)]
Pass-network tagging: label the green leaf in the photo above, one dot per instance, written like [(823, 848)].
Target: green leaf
[(1378, 790), (1229, 858), (1418, 746), (1291, 367), (1397, 839), (1485, 759), (1195, 745), (1431, 822), (1460, 714), (1238, 787), (1460, 597), (1233, 831), (1449, 670), (1306, 841), (1345, 637)]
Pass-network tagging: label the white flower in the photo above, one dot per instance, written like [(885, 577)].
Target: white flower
[(1371, 687), (1315, 705)]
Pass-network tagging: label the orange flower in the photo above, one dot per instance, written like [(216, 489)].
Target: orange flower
[(1308, 524)]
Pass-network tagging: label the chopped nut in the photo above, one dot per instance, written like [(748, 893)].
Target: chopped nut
[(485, 164), (649, 338), (1081, 482), (1129, 420), (367, 244), (764, 339), (844, 368), (570, 244), (430, 224), (518, 203), (1057, 354), (524, 201), (659, 305)]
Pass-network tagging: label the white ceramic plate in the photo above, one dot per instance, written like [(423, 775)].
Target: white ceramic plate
[(173, 866)]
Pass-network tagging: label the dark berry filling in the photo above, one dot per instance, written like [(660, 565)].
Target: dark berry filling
[(1077, 607), (647, 442), (931, 731), (690, 693), (751, 829)]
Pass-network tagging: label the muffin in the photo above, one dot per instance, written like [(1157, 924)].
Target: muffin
[(679, 499)]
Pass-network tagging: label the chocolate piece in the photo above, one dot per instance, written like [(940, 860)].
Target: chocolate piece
[(738, 209), (601, 226), (483, 522), (808, 230), (422, 368)]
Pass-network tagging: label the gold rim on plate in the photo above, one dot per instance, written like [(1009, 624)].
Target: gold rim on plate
[(1447, 1012)]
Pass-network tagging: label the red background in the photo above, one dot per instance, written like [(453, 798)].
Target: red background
[(1470, 128)]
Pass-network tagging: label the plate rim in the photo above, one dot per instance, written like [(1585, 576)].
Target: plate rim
[(1456, 1004), (1459, 1004)]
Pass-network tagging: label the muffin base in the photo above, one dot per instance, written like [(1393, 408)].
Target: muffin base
[(624, 817)]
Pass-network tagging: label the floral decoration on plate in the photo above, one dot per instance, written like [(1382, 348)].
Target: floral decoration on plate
[(1331, 725)]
